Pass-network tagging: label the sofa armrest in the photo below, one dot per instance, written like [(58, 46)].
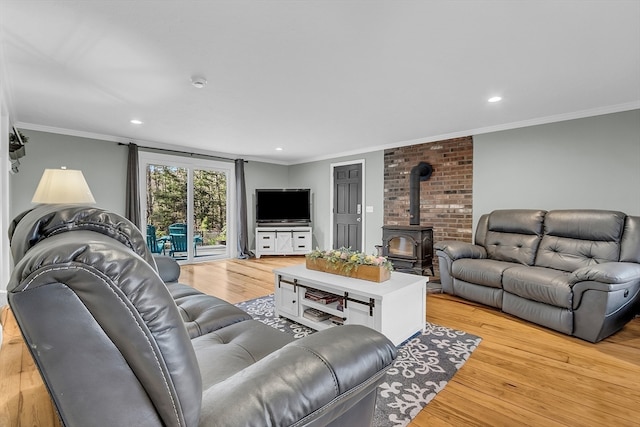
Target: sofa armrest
[(619, 278), (457, 250), (168, 268), (315, 378), (609, 273), (605, 298)]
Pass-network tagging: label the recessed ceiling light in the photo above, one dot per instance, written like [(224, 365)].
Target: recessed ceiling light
[(495, 99), (279, 149), (198, 82), (136, 121)]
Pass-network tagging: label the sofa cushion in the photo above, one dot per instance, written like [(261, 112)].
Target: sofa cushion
[(202, 313), (558, 318), (578, 238), (229, 350), (486, 272), (571, 254), (544, 285), (585, 224), (514, 235), (483, 294)]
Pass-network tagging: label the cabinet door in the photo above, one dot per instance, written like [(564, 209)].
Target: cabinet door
[(287, 299), (284, 242), (359, 314)]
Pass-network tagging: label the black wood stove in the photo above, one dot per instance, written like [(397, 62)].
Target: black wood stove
[(410, 247)]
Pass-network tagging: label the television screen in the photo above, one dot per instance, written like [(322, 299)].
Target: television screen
[(283, 206)]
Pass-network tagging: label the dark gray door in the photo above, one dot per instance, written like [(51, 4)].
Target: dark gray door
[(347, 207)]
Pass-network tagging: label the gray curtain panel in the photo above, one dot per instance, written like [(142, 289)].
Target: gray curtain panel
[(241, 209), (132, 203)]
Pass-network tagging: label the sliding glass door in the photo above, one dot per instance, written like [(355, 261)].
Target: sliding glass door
[(186, 206)]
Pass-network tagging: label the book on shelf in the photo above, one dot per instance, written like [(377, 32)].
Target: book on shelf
[(337, 320), (315, 315), (321, 297)]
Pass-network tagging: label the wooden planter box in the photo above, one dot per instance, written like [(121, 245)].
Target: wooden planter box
[(365, 272)]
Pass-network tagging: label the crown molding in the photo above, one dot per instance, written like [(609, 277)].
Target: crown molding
[(525, 123), (123, 140), (71, 132)]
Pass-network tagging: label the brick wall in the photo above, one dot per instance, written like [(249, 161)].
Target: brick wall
[(445, 199)]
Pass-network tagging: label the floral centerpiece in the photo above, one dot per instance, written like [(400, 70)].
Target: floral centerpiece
[(347, 262)]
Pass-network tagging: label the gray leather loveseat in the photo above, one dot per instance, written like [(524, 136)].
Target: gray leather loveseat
[(116, 346), (575, 271)]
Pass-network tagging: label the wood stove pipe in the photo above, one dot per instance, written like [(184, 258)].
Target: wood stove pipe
[(421, 172)]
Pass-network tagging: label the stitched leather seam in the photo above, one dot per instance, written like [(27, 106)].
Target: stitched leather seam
[(195, 322), (82, 225), (48, 269)]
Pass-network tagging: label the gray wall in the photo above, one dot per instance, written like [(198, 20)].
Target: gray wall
[(317, 176), (261, 175), (585, 163), (102, 163)]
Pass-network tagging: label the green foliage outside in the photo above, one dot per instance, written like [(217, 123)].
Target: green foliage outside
[(167, 201)]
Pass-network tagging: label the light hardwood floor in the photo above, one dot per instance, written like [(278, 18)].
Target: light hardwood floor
[(521, 374)]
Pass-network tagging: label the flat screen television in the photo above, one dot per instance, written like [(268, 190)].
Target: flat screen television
[(283, 206)]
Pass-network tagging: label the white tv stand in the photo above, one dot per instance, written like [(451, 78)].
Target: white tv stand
[(283, 240)]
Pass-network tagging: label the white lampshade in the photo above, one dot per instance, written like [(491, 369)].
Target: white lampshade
[(62, 186)]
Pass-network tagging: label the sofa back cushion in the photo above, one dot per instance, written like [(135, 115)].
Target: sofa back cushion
[(513, 235), (481, 230), (630, 245), (579, 238)]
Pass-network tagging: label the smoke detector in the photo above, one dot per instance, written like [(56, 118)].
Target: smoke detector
[(198, 82)]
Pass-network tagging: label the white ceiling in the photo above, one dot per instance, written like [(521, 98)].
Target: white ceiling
[(316, 78)]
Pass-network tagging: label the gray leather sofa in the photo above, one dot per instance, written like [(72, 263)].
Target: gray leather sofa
[(575, 271), (118, 346)]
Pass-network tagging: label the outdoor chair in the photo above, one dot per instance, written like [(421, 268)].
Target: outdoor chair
[(155, 245), (178, 237)]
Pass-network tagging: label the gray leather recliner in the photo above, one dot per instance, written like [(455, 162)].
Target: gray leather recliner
[(117, 346)]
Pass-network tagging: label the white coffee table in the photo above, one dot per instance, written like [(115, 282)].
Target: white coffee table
[(397, 307)]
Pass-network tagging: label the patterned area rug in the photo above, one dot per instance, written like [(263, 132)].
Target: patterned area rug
[(425, 363)]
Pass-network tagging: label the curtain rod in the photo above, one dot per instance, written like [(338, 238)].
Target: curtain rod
[(184, 153)]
